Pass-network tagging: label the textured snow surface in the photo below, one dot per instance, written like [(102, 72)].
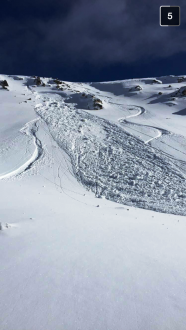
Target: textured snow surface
[(114, 164), (71, 257)]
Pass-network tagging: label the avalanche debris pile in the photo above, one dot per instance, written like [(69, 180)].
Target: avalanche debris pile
[(114, 164)]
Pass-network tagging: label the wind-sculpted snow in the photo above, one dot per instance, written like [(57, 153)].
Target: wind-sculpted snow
[(112, 163)]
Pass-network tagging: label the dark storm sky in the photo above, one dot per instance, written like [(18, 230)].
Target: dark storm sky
[(90, 40)]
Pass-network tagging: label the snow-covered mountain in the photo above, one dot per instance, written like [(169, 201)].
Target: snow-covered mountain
[(83, 167)]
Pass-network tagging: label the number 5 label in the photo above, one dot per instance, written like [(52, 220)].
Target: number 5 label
[(169, 16)]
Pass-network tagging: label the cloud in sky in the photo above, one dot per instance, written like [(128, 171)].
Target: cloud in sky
[(98, 32)]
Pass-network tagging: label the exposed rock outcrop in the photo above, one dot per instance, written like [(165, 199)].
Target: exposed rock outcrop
[(4, 84), (181, 79), (97, 104), (135, 88), (156, 81), (38, 81), (181, 92)]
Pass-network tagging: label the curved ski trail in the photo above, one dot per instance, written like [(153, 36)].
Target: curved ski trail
[(160, 131), (29, 129)]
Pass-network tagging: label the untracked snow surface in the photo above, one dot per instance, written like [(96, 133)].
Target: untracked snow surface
[(93, 204)]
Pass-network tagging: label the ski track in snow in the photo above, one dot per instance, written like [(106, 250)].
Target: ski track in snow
[(125, 121), (29, 129), (181, 165)]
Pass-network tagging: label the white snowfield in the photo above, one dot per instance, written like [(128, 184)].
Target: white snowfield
[(93, 204)]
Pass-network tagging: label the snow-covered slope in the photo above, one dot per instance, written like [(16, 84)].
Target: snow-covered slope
[(71, 257)]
